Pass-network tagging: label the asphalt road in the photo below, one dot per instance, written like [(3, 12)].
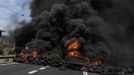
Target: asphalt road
[(27, 69)]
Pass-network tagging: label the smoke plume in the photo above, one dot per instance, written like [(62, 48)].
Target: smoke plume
[(104, 28)]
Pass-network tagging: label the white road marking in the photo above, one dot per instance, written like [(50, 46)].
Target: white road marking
[(42, 68), (47, 66), (32, 72), (85, 73)]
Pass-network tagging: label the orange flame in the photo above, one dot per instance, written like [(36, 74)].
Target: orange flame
[(96, 62), (73, 53), (73, 45), (34, 53)]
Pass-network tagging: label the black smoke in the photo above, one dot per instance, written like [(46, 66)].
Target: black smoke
[(103, 27), (39, 6), (24, 35), (119, 15)]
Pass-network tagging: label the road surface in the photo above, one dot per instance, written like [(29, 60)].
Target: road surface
[(27, 69)]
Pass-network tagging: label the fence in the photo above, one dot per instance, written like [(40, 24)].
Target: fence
[(6, 59)]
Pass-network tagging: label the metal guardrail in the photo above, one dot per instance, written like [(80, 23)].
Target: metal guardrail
[(3, 57), (8, 59)]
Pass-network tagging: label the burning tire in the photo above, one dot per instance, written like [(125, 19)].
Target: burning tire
[(53, 60)]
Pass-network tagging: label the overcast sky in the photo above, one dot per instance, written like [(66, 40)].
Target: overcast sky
[(13, 11)]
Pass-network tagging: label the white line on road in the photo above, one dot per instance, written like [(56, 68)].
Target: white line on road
[(85, 73), (32, 72), (42, 68), (47, 66)]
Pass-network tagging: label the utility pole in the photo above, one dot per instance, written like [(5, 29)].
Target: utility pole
[(1, 31)]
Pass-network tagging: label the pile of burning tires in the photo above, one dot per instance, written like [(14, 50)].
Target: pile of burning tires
[(35, 57), (69, 62), (106, 69)]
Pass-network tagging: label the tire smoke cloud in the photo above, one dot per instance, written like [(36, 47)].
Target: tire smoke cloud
[(103, 27)]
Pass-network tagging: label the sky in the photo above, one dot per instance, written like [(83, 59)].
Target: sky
[(12, 12)]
